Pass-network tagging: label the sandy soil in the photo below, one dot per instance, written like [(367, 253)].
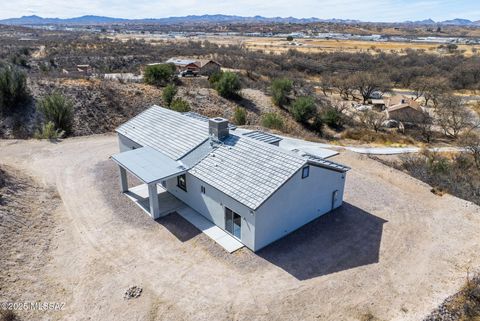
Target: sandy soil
[(394, 250)]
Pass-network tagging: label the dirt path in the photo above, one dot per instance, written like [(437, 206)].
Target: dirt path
[(394, 249)]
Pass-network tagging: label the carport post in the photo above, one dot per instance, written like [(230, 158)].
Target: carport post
[(153, 199), (123, 179)]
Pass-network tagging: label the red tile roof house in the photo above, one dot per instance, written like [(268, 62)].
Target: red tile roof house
[(253, 190)]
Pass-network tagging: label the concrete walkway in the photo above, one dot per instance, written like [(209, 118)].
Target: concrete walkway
[(170, 204)]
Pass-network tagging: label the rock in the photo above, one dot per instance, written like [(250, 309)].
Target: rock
[(133, 292)]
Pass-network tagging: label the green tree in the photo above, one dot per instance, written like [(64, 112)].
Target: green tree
[(303, 109), (159, 75), (13, 88), (57, 109), (332, 117), (281, 88), (180, 105), (273, 121), (228, 85), (168, 94), (240, 116), (215, 77)]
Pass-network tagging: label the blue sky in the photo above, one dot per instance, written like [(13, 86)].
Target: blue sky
[(367, 10)]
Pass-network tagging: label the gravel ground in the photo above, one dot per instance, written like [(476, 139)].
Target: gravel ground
[(394, 251)]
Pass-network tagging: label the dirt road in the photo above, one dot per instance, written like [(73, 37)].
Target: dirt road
[(394, 250)]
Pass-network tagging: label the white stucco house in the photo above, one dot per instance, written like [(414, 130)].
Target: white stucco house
[(245, 184)]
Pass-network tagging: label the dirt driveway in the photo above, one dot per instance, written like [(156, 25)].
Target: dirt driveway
[(394, 250)]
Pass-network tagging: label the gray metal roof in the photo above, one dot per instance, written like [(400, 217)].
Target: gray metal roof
[(149, 165), (263, 137), (247, 170), (166, 130), (319, 161)]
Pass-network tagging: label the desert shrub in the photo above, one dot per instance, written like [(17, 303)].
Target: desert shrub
[(457, 174), (228, 85), (332, 117), (289, 38), (168, 94), (280, 89), (180, 105), (159, 75), (273, 121), (214, 78), (240, 116), (303, 109), (48, 131), (13, 88), (57, 109)]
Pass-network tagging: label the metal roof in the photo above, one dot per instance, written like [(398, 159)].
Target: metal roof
[(182, 62), (149, 165), (243, 168), (319, 161), (165, 130), (263, 137), (247, 170)]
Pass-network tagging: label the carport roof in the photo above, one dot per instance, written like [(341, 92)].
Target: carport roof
[(149, 165)]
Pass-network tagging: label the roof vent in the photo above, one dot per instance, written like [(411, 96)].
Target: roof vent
[(218, 128)]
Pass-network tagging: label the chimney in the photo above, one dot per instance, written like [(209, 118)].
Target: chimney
[(218, 128)]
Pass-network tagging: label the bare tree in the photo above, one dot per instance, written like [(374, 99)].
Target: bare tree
[(372, 119), (367, 83), (453, 116), (425, 123)]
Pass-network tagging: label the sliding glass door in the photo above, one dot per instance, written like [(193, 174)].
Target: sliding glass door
[(233, 223)]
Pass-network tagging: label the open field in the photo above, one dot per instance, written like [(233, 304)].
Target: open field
[(393, 251), (280, 45)]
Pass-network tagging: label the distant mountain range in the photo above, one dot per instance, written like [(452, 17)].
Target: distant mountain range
[(219, 18)]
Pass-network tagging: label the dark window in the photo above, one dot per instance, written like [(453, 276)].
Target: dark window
[(202, 189), (305, 171), (182, 182)]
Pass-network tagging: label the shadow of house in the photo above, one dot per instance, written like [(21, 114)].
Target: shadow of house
[(346, 238), (179, 227)]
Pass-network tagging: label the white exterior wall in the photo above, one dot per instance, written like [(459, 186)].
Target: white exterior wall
[(212, 205), (296, 203), (126, 144)]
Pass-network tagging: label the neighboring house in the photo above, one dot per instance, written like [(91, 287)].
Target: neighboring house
[(254, 190), (378, 104), (209, 67), (185, 64), (404, 109)]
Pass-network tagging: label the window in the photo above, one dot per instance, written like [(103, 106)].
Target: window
[(305, 171), (182, 182), (202, 189)]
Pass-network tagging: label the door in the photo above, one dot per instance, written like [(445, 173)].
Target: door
[(233, 223)]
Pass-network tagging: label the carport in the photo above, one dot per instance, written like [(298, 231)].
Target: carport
[(151, 167)]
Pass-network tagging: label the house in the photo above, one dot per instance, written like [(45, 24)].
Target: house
[(185, 64), (244, 184), (209, 67), (378, 104), (404, 109)]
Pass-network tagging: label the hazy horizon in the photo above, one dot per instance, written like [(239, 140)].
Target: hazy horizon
[(368, 10)]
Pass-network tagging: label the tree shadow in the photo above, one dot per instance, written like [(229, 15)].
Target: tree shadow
[(343, 239), (247, 104)]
